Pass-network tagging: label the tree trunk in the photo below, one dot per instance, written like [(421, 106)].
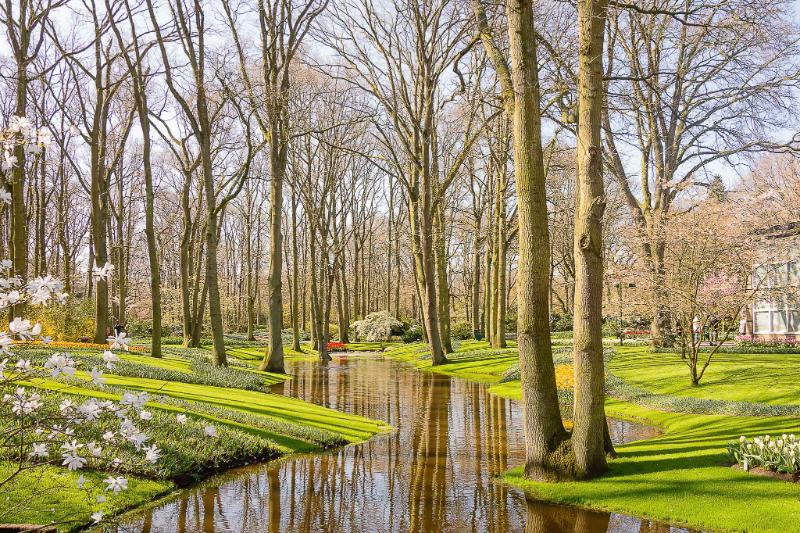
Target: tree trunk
[(547, 451), (273, 359), (589, 413), (443, 292)]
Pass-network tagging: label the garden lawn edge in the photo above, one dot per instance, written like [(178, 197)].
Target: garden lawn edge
[(681, 477)]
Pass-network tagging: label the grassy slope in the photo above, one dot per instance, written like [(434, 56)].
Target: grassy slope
[(52, 495), (678, 477), (768, 378), (274, 406)]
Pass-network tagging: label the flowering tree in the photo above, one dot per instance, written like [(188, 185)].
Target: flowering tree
[(709, 257), (376, 327)]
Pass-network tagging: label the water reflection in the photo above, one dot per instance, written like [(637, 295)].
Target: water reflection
[(435, 473)]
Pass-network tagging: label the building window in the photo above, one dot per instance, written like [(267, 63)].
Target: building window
[(777, 310)]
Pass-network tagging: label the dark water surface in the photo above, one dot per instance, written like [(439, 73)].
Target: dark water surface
[(435, 473)]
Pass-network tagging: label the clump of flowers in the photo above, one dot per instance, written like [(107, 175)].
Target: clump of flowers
[(336, 346), (777, 454)]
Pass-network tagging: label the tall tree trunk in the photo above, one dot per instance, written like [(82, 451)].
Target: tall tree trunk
[(548, 455), (295, 279), (589, 412), (476, 280), (443, 292), (273, 359), (19, 223)]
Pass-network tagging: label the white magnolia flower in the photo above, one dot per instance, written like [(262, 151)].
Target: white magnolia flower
[(24, 329), (152, 453), (119, 341), (117, 484), (90, 410), (135, 400), (60, 363), (110, 359), (39, 450), (6, 343), (73, 462), (210, 431), (23, 365), (181, 419), (9, 161), (97, 377), (22, 404), (19, 125), (103, 272), (97, 516), (94, 449)]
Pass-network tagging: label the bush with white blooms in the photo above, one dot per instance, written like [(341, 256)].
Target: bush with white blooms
[(42, 428), (37, 431)]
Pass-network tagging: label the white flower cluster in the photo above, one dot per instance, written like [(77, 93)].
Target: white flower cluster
[(779, 454), (20, 131)]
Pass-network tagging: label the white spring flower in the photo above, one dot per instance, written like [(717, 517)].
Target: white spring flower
[(6, 343), (97, 377), (65, 406), (73, 462), (5, 196), (146, 415), (116, 484), (97, 516), (94, 449), (210, 431), (23, 365), (90, 410), (24, 329), (119, 341), (181, 419), (39, 450), (103, 272), (110, 359), (152, 453)]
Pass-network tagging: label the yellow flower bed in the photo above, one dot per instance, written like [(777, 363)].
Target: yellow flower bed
[(565, 378), (94, 345)]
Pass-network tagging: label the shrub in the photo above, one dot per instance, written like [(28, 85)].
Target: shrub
[(779, 454), (68, 322), (561, 322), (413, 334), (376, 327), (461, 331)]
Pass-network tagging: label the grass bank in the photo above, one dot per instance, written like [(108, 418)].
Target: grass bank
[(681, 476), (253, 425)]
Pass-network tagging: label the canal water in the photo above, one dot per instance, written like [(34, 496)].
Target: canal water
[(436, 472)]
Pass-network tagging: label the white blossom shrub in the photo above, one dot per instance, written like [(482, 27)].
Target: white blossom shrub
[(777, 454), (376, 327)]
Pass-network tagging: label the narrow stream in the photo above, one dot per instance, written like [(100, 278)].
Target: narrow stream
[(435, 473)]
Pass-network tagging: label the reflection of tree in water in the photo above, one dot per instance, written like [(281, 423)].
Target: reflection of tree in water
[(547, 518), (436, 472)]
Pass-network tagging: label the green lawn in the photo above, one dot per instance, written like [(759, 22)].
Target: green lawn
[(768, 378), (681, 476)]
